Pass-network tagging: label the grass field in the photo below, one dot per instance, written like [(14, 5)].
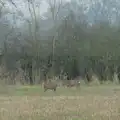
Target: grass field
[(86, 103)]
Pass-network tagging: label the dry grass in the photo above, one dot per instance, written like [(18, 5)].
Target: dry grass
[(87, 103)]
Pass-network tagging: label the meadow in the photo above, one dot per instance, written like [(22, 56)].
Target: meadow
[(100, 102)]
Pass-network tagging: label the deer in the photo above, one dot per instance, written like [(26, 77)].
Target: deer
[(72, 83), (50, 86)]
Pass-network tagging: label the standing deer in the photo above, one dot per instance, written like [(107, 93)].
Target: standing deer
[(50, 86), (72, 83)]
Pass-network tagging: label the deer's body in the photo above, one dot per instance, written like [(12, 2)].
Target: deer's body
[(72, 83), (50, 86)]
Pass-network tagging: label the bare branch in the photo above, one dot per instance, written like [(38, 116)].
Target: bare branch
[(55, 7), (2, 3), (11, 1), (1, 7)]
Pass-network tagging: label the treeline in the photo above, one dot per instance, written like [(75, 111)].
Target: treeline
[(75, 48), (94, 50)]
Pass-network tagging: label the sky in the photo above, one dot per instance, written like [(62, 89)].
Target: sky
[(24, 7), (23, 11)]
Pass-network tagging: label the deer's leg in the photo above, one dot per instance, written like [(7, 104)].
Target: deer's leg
[(45, 89), (54, 89)]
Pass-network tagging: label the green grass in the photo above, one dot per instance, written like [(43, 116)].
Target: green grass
[(83, 90), (86, 103)]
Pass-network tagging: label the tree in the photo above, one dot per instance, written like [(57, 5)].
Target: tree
[(54, 6)]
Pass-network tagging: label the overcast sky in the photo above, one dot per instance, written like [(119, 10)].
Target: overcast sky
[(24, 7)]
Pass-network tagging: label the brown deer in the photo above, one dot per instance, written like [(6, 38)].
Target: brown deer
[(64, 83), (50, 86), (73, 83)]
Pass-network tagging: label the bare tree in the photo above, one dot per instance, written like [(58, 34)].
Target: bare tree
[(55, 7), (32, 23)]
